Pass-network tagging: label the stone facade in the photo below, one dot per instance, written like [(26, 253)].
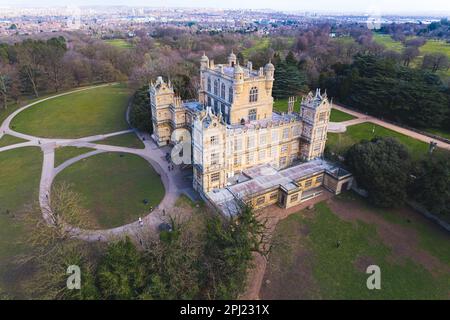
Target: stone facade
[(234, 128)]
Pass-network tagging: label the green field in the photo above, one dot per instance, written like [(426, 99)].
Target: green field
[(113, 187), (62, 154), (306, 262), (340, 142), (388, 42), (261, 44), (340, 116), (19, 184), (129, 140), (119, 43), (8, 140), (80, 114)]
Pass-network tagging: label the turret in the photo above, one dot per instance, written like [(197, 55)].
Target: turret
[(238, 79), (232, 59), (269, 72), (204, 62)]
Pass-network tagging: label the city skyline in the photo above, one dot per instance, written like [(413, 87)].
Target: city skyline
[(351, 6)]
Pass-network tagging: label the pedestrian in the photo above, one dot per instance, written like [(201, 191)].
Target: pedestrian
[(164, 212), (141, 223), (338, 243)]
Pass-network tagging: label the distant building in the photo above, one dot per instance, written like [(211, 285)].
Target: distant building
[(242, 150)]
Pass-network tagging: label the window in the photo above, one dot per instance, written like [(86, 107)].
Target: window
[(282, 161), (308, 183), (214, 159), (222, 91), (274, 196), (253, 94), (317, 147), (230, 95), (209, 84), (260, 200), (284, 148), (238, 144), (297, 130), (252, 115), (294, 197), (250, 142), (285, 133), (262, 155), (222, 109), (274, 136), (214, 140), (262, 139), (209, 101), (216, 107), (216, 87), (250, 158), (319, 179), (322, 116), (215, 177)]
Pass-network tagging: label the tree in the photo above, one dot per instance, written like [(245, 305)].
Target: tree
[(381, 167), (121, 273), (431, 187), (30, 58), (289, 80), (53, 65), (435, 61), (408, 54), (140, 111), (54, 248), (228, 252), (8, 83)]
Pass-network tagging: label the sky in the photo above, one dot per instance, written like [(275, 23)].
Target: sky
[(383, 6)]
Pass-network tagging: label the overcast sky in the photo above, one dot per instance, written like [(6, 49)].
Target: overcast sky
[(385, 6)]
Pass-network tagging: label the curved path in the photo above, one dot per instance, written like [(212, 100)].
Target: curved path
[(339, 127), (154, 155)]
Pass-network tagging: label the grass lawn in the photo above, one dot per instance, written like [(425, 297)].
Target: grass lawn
[(388, 42), (306, 263), (63, 154), (129, 140), (8, 140), (340, 116), (340, 142), (260, 45), (119, 43), (19, 184), (85, 113), (113, 186)]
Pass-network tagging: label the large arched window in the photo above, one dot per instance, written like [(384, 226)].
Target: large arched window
[(216, 87), (222, 91), (254, 94), (230, 95), (209, 84)]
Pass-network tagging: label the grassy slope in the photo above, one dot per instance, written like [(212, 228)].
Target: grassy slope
[(90, 112), (339, 142), (63, 154), (335, 271), (8, 140), (113, 187), (340, 116), (129, 140), (19, 184), (119, 43)]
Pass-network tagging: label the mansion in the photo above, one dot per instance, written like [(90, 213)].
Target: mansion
[(243, 151)]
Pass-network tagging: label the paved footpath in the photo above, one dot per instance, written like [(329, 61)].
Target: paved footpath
[(361, 118), (152, 153)]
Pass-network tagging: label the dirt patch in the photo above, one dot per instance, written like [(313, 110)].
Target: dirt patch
[(404, 241), (361, 263)]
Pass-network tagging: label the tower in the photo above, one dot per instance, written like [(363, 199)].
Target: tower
[(315, 115), (161, 98)]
